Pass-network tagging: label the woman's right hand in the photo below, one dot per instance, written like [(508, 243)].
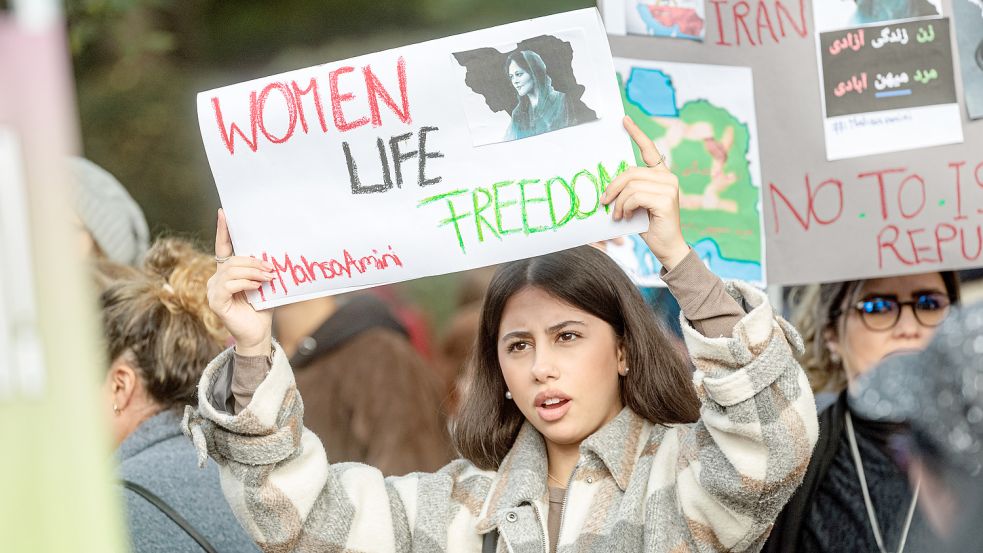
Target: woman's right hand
[(251, 329)]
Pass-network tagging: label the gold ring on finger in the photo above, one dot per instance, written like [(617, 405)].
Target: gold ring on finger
[(222, 259), (662, 159)]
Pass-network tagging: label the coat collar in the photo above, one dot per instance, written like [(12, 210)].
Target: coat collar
[(521, 478), (162, 426)]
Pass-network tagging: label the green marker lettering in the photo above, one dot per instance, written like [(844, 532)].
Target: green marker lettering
[(526, 227), (574, 202), (454, 218), (595, 186), (603, 179), (499, 205), (478, 217)]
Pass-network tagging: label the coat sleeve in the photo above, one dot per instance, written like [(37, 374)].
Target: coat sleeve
[(744, 458), (277, 479)]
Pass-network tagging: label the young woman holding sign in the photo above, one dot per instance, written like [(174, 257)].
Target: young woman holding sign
[(580, 430), (855, 497)]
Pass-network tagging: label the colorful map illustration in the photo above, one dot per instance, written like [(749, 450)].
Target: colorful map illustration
[(667, 18), (708, 134)]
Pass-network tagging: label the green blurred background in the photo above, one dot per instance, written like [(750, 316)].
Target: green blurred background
[(139, 64)]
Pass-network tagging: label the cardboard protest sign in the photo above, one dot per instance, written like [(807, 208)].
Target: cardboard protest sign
[(888, 88), (441, 156), (710, 138), (865, 215)]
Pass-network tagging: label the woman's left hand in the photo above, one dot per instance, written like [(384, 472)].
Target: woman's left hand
[(656, 190)]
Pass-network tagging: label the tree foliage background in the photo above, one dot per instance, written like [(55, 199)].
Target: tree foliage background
[(139, 63)]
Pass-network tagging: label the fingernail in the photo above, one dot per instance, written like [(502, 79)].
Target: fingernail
[(267, 266)]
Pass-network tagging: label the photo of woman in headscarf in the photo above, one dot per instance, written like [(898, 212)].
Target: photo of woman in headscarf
[(543, 89), (541, 107)]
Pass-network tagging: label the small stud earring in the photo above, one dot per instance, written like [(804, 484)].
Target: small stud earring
[(508, 394), (626, 372), (116, 409)]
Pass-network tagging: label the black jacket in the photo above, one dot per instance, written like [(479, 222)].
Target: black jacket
[(788, 527)]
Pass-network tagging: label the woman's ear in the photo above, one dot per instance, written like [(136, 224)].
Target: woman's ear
[(832, 343), (123, 381), (622, 358)]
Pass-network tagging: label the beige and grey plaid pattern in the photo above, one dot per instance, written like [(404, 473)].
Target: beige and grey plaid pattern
[(715, 485)]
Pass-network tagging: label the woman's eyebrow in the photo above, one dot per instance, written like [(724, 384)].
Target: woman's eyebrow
[(924, 291), (885, 295), (557, 327), (551, 330), (516, 334), (913, 293)]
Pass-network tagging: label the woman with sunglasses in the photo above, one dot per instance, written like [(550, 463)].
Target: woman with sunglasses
[(854, 497)]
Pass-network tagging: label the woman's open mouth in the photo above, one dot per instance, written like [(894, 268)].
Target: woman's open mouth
[(552, 406)]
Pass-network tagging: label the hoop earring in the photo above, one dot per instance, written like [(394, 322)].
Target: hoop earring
[(508, 394)]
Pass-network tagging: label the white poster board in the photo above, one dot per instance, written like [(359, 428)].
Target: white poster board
[(437, 157), (709, 134), (887, 85)]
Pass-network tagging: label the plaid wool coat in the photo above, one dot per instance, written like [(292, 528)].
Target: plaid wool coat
[(713, 485)]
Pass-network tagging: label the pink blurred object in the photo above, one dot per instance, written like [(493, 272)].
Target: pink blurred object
[(687, 19)]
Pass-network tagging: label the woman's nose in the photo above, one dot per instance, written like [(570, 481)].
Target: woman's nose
[(908, 325), (544, 367)]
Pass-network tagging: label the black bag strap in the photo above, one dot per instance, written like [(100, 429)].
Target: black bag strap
[(490, 542), (171, 514)]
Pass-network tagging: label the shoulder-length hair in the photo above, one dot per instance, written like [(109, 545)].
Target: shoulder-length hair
[(658, 387)]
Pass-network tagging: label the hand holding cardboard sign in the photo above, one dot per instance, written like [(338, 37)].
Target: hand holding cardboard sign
[(251, 329), (656, 190)]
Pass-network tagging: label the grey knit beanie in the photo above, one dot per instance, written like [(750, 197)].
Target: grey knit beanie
[(109, 213)]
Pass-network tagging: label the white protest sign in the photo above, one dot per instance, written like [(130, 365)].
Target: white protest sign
[(437, 157)]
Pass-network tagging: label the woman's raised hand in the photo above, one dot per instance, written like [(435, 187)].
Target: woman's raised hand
[(655, 189), (251, 329)]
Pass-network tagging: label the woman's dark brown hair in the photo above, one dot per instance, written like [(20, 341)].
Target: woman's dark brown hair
[(658, 387), (818, 309), (157, 318)]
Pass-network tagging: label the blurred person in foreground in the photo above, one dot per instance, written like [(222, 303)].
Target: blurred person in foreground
[(939, 393), (111, 226), (366, 389), (853, 497), (159, 335)]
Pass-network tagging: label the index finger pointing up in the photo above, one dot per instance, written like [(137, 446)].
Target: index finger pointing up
[(223, 241), (650, 153)]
